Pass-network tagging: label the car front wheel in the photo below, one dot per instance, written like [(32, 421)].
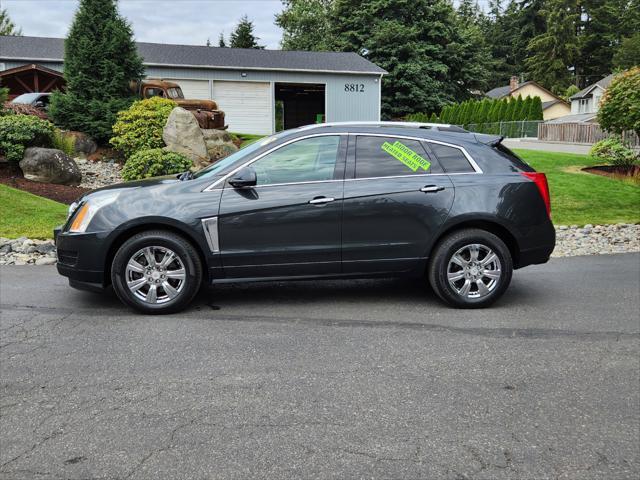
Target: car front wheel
[(470, 268), (156, 272)]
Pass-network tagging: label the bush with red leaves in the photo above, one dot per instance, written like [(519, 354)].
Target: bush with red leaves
[(24, 109)]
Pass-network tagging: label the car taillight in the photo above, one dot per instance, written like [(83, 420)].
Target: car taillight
[(540, 179)]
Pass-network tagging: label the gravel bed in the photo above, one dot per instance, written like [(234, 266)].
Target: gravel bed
[(571, 241), (96, 174)]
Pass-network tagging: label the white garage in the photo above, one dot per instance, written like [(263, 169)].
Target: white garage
[(247, 105)]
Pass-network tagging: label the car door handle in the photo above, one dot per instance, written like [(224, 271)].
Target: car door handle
[(320, 200), (431, 188)]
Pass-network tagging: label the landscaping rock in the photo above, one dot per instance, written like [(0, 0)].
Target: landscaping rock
[(83, 144), (48, 165), (99, 173), (182, 135), (596, 239), (219, 144), (24, 251)]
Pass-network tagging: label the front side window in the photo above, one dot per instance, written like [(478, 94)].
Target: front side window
[(390, 157), (451, 158), (153, 92), (175, 92), (309, 160)]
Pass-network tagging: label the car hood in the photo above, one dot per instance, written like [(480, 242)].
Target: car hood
[(136, 184)]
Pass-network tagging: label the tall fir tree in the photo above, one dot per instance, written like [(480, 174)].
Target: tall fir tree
[(221, 42), (554, 52), (100, 62), (7, 27), (242, 36), (305, 24)]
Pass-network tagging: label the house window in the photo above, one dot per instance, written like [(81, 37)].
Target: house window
[(584, 105)]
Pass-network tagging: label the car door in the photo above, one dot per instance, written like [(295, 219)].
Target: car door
[(396, 197), (288, 224)]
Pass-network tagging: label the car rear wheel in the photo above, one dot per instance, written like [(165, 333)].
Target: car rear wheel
[(470, 268), (156, 272)]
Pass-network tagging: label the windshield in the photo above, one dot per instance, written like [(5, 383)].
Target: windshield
[(26, 98), (237, 157)]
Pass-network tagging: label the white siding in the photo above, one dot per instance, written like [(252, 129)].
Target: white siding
[(247, 105), (198, 89)]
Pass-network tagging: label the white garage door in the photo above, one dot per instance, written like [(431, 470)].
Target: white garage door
[(247, 106), (197, 89)]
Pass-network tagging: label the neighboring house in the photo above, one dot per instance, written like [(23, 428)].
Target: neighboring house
[(246, 83), (552, 105), (588, 100), (585, 103)]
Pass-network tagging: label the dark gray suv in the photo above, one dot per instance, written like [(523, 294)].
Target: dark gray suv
[(325, 201)]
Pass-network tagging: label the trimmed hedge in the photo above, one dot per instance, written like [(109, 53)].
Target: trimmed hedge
[(154, 162), (18, 132)]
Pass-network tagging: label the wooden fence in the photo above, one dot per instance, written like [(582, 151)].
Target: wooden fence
[(579, 133)]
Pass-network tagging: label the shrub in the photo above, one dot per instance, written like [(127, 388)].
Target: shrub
[(66, 143), (140, 126), (620, 106), (18, 132), (615, 152), (153, 163)]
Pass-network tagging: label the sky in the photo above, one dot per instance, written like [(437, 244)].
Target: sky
[(188, 22)]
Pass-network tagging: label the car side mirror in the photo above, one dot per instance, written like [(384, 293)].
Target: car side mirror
[(245, 177)]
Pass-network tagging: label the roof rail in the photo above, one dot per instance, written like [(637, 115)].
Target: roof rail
[(377, 124)]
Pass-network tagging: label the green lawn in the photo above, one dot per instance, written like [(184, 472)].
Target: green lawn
[(578, 198), (27, 215)]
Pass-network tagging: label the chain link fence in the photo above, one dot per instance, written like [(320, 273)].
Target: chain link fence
[(517, 129)]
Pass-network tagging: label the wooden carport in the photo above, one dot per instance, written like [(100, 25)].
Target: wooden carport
[(31, 78)]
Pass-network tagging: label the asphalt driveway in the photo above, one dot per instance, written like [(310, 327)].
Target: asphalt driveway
[(353, 379)]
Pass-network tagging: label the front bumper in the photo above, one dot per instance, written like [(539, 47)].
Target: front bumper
[(81, 259)]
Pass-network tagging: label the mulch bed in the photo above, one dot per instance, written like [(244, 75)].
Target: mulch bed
[(615, 172), (11, 175)]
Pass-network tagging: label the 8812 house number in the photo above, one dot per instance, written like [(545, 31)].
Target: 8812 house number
[(354, 87)]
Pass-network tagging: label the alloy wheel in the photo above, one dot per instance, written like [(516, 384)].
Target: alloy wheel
[(474, 271), (155, 275)]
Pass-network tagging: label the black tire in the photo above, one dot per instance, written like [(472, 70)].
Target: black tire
[(187, 256), (439, 267)]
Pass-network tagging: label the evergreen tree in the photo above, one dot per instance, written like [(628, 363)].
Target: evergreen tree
[(305, 24), (7, 27), (434, 118), (417, 41), (536, 109), (445, 114), (526, 108), (100, 62), (242, 36), (603, 26), (221, 42), (554, 51), (628, 53), (519, 109)]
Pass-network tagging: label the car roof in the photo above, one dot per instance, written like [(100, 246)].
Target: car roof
[(428, 131)]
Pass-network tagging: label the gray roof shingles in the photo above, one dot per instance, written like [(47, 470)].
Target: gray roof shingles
[(498, 92), (603, 82), (52, 49)]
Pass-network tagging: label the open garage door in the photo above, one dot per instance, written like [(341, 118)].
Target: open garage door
[(301, 104), (193, 89), (247, 106)]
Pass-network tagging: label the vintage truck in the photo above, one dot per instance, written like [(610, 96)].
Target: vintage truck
[(206, 111)]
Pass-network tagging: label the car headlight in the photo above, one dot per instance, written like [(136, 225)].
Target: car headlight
[(84, 212)]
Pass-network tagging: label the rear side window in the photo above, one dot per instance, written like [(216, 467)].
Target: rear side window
[(452, 159), (390, 156)]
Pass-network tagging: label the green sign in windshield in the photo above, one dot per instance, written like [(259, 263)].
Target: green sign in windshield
[(404, 154)]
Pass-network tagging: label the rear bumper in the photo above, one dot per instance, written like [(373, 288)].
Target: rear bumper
[(81, 259), (534, 256)]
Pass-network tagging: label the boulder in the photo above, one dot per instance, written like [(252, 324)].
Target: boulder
[(83, 144), (182, 134), (48, 165), (219, 144)]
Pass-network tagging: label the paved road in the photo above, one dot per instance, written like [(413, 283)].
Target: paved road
[(547, 146), (366, 379)]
